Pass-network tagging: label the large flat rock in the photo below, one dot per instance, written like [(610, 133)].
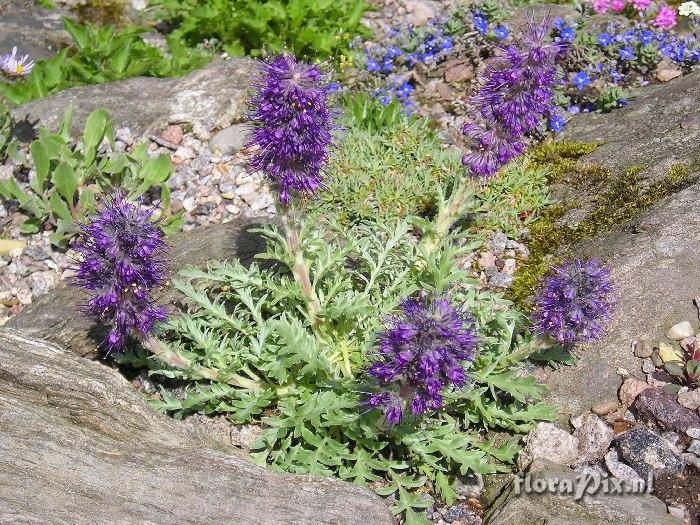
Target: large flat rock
[(78, 445), (213, 96), (654, 258), (659, 128), (656, 270), (559, 508), (56, 317), (34, 30)]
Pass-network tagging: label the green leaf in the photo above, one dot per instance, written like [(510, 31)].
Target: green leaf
[(59, 207), (521, 388), (66, 182), (30, 226), (41, 166), (78, 33), (94, 132)]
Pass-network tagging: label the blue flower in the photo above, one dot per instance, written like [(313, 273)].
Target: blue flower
[(427, 58), (404, 91), (388, 64), (615, 76), (574, 109), (666, 50), (626, 53), (628, 36), (411, 59), (385, 99), (372, 65), (446, 44), (604, 39), (393, 52), (480, 23), (580, 80), (557, 123), (646, 37), (501, 32), (567, 34)]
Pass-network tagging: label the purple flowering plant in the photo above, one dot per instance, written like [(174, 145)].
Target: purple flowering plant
[(421, 354), (574, 302), (293, 125), (299, 345), (122, 261), (516, 95)]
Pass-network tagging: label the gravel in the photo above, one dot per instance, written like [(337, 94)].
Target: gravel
[(209, 188)]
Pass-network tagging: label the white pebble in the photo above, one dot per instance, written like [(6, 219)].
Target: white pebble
[(680, 331)]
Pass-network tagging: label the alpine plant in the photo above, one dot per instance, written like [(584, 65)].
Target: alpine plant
[(421, 354), (517, 94), (574, 302), (13, 66), (122, 261), (293, 125)]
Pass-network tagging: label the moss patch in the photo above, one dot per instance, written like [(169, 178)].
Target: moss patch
[(101, 12), (623, 198)]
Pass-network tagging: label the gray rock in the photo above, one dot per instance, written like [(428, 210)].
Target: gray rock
[(656, 406), (549, 442), (646, 452), (213, 96), (79, 445), (55, 316), (620, 470), (501, 280), (654, 135), (564, 509), (35, 31), (654, 265), (594, 438), (230, 140)]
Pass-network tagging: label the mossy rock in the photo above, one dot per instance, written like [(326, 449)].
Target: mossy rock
[(627, 192)]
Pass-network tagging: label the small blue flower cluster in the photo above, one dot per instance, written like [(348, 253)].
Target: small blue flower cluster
[(623, 58), (409, 47), (406, 48), (562, 31)]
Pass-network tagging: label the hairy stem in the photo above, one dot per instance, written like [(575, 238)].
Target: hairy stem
[(300, 269), (174, 359), (449, 213)]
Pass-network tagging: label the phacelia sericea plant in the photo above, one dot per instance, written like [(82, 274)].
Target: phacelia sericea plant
[(574, 302), (420, 355), (516, 95), (293, 125), (122, 261)]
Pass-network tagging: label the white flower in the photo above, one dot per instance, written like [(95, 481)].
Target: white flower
[(689, 8), (13, 66)]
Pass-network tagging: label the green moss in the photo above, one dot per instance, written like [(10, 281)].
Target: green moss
[(101, 12), (561, 158), (624, 199)]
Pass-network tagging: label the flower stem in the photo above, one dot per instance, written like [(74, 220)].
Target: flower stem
[(449, 213), (174, 359), (300, 269)]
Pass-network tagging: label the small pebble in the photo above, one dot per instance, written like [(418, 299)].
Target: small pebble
[(643, 349), (680, 331)]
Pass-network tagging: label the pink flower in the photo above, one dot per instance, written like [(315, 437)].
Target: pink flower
[(666, 18), (641, 5), (617, 5), (601, 6)]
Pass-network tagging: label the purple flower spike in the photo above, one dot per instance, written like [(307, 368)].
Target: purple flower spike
[(122, 261), (516, 95), (293, 125), (574, 302), (422, 353)]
